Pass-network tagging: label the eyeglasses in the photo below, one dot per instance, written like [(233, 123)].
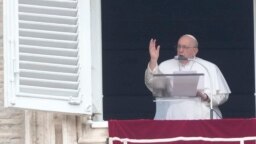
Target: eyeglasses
[(182, 47)]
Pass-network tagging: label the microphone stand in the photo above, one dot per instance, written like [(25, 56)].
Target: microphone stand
[(211, 86), (181, 57)]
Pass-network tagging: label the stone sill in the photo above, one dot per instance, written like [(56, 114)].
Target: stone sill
[(92, 141), (98, 124)]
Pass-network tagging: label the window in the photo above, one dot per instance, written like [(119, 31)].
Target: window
[(48, 56)]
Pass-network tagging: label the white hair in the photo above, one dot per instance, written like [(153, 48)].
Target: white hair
[(192, 37)]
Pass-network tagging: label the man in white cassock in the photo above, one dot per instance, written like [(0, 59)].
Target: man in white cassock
[(202, 106)]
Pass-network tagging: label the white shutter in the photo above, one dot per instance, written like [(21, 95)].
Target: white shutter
[(47, 55)]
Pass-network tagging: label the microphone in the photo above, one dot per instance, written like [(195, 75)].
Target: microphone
[(180, 57)]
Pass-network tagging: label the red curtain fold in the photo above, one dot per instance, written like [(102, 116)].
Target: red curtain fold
[(152, 129)]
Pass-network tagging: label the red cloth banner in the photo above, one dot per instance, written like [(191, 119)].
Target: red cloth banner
[(155, 129)]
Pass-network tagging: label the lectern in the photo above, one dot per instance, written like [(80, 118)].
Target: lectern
[(175, 94)]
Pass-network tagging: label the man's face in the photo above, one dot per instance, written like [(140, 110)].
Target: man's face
[(186, 47)]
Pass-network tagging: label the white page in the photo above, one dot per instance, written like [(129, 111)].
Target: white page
[(185, 84)]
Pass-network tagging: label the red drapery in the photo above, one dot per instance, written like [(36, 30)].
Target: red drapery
[(152, 129)]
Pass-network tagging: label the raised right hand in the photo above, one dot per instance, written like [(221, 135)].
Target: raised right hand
[(154, 53)]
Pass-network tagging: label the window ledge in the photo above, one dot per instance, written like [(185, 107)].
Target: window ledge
[(98, 124)]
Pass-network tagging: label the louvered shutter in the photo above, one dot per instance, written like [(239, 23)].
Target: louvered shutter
[(47, 55)]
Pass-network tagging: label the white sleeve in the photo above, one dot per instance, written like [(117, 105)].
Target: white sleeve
[(221, 89), (149, 76), (218, 99)]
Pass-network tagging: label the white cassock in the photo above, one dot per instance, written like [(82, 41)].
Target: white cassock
[(172, 108)]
